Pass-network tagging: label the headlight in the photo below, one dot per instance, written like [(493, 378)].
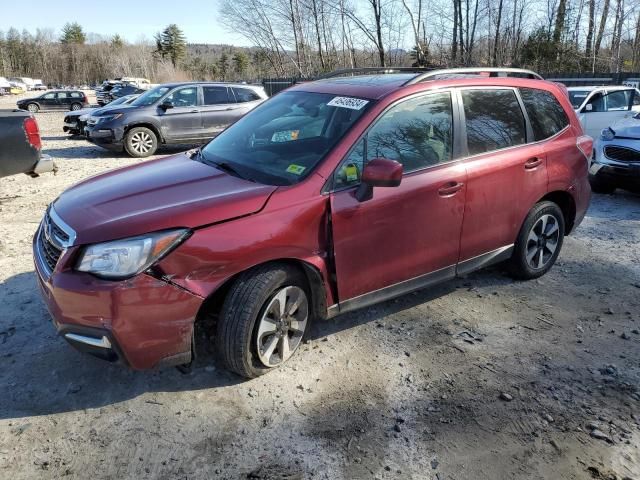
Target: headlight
[(607, 134), (108, 118), (125, 258)]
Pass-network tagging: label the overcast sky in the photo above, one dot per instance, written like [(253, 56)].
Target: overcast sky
[(130, 18)]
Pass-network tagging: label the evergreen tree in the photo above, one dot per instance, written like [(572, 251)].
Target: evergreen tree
[(72, 33), (240, 63), (223, 66), (171, 43), (117, 41)]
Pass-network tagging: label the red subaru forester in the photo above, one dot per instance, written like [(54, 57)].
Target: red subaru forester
[(330, 196)]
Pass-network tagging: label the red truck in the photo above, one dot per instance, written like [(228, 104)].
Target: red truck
[(331, 196)]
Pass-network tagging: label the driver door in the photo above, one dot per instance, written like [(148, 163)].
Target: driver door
[(604, 109), (405, 237), (182, 122)]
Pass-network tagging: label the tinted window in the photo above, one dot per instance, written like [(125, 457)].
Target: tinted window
[(546, 115), (184, 97), (576, 97), (215, 95), (245, 95), (493, 119), (417, 133)]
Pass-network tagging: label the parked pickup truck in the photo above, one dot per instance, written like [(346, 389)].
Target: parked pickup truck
[(20, 145)]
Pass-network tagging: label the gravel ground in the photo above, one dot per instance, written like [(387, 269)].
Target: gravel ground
[(479, 378)]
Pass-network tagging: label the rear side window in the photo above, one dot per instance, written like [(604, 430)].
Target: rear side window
[(493, 120), (546, 115), (245, 95), (215, 95), (63, 95)]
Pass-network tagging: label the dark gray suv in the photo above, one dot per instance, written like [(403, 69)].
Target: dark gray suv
[(173, 113)]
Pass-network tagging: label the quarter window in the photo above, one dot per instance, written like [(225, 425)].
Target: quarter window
[(418, 133), (245, 95), (215, 95), (494, 120), (546, 115)]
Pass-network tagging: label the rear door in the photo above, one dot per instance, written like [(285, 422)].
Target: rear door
[(62, 101), (506, 176), (408, 236), (182, 122), (219, 109)]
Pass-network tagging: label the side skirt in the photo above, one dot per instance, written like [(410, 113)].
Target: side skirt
[(422, 281)]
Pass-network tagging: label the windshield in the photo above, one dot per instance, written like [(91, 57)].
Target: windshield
[(150, 97), (576, 97), (281, 141), (118, 101)]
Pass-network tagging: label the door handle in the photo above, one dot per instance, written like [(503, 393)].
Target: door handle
[(532, 163), (194, 111), (450, 188)]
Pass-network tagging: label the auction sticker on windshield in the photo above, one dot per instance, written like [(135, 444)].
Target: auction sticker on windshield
[(296, 169), (348, 102)]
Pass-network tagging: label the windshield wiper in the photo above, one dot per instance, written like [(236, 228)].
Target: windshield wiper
[(227, 167)]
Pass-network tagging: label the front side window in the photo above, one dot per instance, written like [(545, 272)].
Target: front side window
[(49, 96), (418, 133), (215, 95), (546, 115), (618, 101), (493, 120), (245, 95), (285, 138), (184, 97)]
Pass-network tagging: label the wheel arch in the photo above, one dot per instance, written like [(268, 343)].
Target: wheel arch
[(567, 204), (212, 304), (149, 125)]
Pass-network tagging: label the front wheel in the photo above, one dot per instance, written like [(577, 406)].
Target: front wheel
[(539, 242), (33, 107), (140, 142), (263, 320)]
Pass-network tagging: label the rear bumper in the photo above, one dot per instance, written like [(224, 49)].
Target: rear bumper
[(142, 322), (45, 164)]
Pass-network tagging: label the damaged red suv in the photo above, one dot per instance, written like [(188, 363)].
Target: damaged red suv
[(331, 196)]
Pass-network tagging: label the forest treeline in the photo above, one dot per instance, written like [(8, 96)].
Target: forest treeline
[(303, 38)]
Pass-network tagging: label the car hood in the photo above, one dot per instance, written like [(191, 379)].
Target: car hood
[(627, 127), (172, 192), (82, 111), (113, 109)]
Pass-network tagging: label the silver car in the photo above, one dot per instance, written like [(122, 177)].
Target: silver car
[(616, 157)]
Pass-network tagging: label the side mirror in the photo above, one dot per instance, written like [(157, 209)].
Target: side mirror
[(588, 107), (379, 172), (166, 105)]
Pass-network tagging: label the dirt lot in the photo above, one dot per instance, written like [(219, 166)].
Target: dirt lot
[(480, 378)]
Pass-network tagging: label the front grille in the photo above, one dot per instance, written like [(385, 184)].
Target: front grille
[(52, 240), (621, 154), (49, 253)]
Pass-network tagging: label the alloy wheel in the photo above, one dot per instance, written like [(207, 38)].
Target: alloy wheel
[(32, 107), (141, 142), (282, 326), (75, 107), (542, 241)]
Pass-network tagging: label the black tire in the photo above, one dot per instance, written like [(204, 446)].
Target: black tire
[(75, 107), (524, 267), (598, 185), (33, 107), (140, 142), (246, 303)]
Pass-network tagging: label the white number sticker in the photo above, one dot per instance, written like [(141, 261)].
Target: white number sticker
[(348, 102)]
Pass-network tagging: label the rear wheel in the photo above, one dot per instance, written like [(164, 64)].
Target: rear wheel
[(539, 241), (76, 106), (140, 142), (33, 107), (263, 320), (598, 185)]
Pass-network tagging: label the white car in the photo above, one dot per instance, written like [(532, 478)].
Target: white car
[(599, 107)]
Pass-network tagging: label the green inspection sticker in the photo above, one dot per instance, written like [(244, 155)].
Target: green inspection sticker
[(296, 169)]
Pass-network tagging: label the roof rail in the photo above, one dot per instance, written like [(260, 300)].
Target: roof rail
[(493, 72), (353, 71)]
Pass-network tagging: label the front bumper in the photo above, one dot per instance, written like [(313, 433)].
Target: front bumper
[(105, 136), (623, 174), (142, 322)]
